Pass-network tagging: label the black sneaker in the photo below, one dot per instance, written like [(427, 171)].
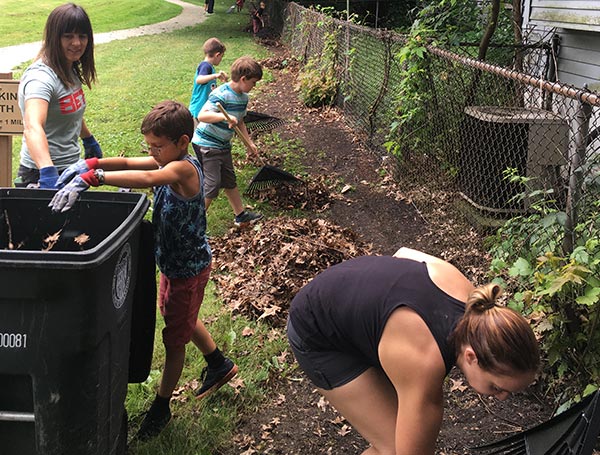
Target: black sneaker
[(214, 379), (154, 422), (247, 217)]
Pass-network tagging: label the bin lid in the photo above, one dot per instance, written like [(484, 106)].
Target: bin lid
[(501, 114), (105, 220)]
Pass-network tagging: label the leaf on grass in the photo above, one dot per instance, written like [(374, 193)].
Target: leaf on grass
[(236, 384), (271, 311)]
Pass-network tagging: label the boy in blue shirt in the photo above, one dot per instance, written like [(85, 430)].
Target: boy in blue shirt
[(212, 138), (206, 77), (183, 256)]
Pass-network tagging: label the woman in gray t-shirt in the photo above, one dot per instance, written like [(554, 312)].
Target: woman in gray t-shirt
[(52, 100)]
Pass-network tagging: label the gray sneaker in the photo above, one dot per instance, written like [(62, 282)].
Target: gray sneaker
[(247, 217)]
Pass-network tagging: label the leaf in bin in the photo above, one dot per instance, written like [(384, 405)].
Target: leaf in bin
[(51, 240), (81, 239)]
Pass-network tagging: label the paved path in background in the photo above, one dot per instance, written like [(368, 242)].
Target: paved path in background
[(13, 56)]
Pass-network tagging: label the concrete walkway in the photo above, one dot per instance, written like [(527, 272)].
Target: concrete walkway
[(13, 56)]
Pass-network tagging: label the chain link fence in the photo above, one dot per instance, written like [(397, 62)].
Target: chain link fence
[(496, 142)]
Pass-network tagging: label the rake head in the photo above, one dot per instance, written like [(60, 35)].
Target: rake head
[(269, 176), (574, 432), (255, 121)]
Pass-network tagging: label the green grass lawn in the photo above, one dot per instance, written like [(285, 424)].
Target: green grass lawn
[(23, 22), (133, 75)]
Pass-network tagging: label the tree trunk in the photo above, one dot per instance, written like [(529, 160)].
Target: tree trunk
[(490, 30)]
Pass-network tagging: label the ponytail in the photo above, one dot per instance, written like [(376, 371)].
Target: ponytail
[(483, 298), (500, 337)]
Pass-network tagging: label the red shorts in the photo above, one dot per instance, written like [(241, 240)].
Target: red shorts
[(179, 303)]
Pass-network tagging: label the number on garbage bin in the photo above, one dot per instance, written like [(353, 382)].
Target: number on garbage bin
[(13, 340)]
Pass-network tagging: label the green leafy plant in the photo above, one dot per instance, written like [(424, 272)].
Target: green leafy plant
[(317, 81), (560, 291), (318, 86)]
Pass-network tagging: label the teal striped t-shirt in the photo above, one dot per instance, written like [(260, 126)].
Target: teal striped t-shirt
[(219, 135)]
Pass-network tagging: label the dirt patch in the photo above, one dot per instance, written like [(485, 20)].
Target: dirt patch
[(360, 210)]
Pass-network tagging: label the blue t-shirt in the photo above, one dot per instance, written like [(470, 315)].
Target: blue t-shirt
[(200, 92), (180, 230), (218, 135)]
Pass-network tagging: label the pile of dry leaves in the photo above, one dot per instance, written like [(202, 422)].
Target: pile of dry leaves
[(313, 195), (262, 268)]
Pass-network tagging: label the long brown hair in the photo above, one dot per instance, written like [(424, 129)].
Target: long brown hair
[(500, 337), (68, 18)]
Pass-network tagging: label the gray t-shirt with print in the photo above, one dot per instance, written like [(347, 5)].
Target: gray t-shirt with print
[(66, 106)]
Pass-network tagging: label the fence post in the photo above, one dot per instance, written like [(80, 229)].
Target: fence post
[(576, 158)]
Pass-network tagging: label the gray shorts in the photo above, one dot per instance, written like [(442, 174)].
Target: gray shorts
[(217, 167), (326, 369)]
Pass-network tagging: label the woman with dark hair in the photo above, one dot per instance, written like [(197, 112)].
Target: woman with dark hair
[(52, 100), (377, 335)]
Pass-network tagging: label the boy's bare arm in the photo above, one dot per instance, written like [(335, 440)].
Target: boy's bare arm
[(248, 142), (122, 163), (172, 173), (208, 116), (206, 78)]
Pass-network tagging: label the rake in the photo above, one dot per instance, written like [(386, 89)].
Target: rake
[(574, 432), (267, 176), (256, 121)]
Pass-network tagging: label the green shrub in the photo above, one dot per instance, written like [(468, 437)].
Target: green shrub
[(317, 86), (559, 290)]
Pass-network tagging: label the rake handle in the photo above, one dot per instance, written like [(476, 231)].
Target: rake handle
[(235, 127)]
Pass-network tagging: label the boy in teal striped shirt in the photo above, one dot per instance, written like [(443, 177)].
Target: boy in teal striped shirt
[(212, 137)]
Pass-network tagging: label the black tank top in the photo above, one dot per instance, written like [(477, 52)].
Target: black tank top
[(346, 307)]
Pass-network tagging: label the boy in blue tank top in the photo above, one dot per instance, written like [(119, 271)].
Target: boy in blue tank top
[(205, 80), (183, 255)]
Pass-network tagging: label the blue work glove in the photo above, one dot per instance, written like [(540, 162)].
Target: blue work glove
[(48, 177), (91, 148), (74, 169), (65, 198)]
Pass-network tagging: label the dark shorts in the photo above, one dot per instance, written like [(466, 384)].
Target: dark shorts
[(326, 369), (179, 303), (217, 167), (26, 176)]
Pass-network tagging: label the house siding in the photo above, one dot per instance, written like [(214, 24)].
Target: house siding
[(569, 14), (579, 32), (579, 58)]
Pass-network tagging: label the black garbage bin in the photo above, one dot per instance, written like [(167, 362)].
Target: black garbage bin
[(65, 320)]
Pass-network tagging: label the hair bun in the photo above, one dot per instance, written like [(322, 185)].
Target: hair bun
[(484, 298)]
